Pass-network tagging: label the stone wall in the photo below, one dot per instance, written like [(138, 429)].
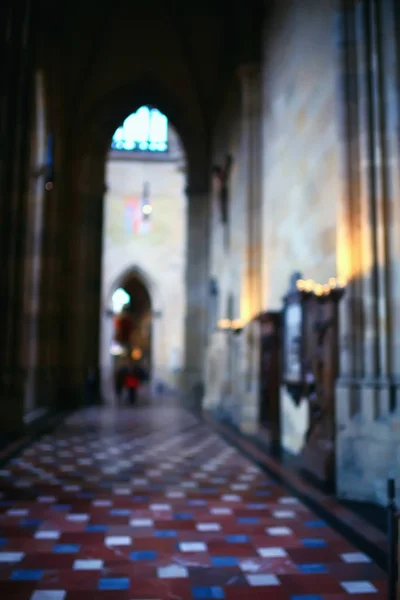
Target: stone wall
[(300, 168), (157, 253), (300, 161)]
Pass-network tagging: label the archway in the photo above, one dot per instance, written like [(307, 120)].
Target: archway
[(126, 328), (91, 180), (145, 220)]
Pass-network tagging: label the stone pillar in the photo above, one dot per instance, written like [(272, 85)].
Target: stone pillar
[(85, 254), (250, 157), (197, 287), (14, 166), (368, 42)]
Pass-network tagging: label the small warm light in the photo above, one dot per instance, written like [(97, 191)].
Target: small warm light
[(342, 282), (326, 288), (300, 284), (237, 324), (147, 209), (318, 289), (225, 324), (309, 285), (49, 186), (332, 282), (136, 354)]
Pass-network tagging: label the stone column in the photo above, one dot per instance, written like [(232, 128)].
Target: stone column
[(197, 287), (14, 165), (250, 157), (85, 254), (369, 365)]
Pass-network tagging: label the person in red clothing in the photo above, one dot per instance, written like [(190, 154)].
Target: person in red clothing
[(132, 382)]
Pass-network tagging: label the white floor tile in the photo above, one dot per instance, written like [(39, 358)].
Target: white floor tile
[(278, 531), (11, 557), (175, 494), (102, 503), (231, 498), (221, 511), (355, 557), (72, 488), (48, 595), (88, 565), (208, 527), (47, 535), (160, 507), (141, 523), (262, 579), (77, 518), (193, 547), (272, 552), (358, 587), (249, 566), (172, 572), (284, 514), (118, 540), (18, 512)]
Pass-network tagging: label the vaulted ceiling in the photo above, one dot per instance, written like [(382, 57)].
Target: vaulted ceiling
[(178, 54)]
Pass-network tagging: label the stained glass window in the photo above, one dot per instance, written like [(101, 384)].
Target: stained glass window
[(146, 130)]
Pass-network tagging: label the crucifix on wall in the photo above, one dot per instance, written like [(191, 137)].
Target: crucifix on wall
[(221, 174)]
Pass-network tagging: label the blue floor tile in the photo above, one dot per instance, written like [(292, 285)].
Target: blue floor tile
[(197, 503), (306, 597), (3, 542), (27, 575), (312, 568), (96, 528), (166, 533), (120, 512), (248, 521), (143, 555), (183, 516), (262, 493), (61, 507), (31, 523), (224, 561), (84, 495), (237, 539), (315, 524), (66, 548), (140, 499), (313, 543), (114, 583), (256, 506), (207, 593)]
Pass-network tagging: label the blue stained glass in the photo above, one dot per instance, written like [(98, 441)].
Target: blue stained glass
[(144, 130)]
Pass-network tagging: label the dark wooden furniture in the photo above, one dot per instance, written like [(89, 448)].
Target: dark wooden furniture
[(311, 368), (270, 369)]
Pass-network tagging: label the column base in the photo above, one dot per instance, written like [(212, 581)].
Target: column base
[(367, 438), (12, 404)]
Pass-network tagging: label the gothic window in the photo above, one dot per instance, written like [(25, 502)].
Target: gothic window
[(146, 130)]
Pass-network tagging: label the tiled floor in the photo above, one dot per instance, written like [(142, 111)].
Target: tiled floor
[(150, 504)]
